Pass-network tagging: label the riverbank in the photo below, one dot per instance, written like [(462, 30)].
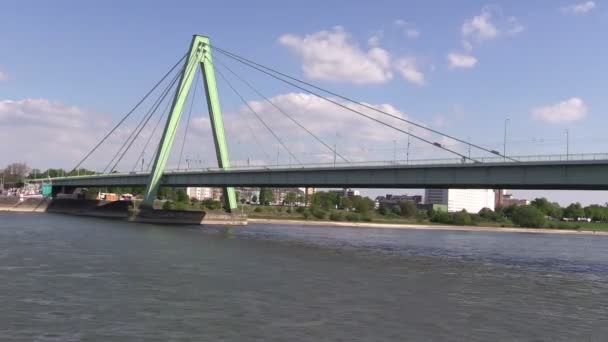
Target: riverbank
[(426, 227)]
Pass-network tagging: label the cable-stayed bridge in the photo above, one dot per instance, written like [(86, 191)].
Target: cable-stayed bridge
[(175, 95)]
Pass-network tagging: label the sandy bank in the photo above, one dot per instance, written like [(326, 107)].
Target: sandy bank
[(427, 227)]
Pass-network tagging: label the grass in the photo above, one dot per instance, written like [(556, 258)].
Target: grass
[(281, 213)]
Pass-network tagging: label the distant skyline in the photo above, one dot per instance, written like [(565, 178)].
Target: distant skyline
[(69, 70)]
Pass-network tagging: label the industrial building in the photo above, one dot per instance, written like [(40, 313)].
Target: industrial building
[(471, 200)]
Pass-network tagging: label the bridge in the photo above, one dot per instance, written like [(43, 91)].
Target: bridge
[(554, 175), (495, 170)]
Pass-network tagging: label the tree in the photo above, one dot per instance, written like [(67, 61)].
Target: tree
[(182, 196), (542, 204), (362, 204), (528, 216), (574, 211), (508, 211), (461, 218), (266, 196), (408, 209), (254, 199), (291, 198)]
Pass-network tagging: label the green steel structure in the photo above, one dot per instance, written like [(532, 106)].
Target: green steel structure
[(200, 54)]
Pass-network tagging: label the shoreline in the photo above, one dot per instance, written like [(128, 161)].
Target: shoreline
[(428, 227)]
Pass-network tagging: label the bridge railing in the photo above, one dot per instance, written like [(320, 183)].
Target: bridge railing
[(414, 162)]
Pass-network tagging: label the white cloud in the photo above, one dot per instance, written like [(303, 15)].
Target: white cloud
[(490, 24), (3, 76), (480, 27), (49, 133), (457, 60), (412, 33), (407, 28), (408, 69), (357, 138), (514, 26), (573, 109), (375, 39), (579, 8), (41, 112), (467, 46), (334, 56)]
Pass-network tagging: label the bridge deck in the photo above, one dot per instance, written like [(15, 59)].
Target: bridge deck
[(579, 175)]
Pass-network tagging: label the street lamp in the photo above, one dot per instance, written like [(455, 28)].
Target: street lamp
[(394, 151), (567, 144), (504, 150)]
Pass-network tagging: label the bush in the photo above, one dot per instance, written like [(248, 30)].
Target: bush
[(461, 218), (366, 217), (408, 209), (441, 217), (289, 211), (336, 216), (211, 204), (280, 209), (300, 210), (319, 214), (528, 216), (168, 205), (257, 210), (353, 217), (306, 215), (384, 209), (180, 206)]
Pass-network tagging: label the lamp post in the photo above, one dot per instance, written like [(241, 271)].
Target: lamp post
[(407, 155), (504, 150), (567, 144), (394, 151)]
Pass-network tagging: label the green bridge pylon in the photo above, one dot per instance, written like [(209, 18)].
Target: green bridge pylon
[(200, 54)]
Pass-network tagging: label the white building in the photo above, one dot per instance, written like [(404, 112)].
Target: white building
[(200, 193), (471, 200)]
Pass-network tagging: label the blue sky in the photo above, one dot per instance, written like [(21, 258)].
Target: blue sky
[(460, 67)]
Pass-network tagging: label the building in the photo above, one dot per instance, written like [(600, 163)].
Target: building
[(350, 193), (504, 199), (248, 195), (471, 200), (390, 199), (199, 193)]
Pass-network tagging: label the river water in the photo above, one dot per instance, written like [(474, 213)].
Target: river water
[(66, 278)]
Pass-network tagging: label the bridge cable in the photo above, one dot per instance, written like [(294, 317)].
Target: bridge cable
[(254, 135), (279, 109), (192, 95), (145, 118), (258, 117), (152, 112), (135, 134), (358, 112), (258, 67), (160, 119), (128, 114)]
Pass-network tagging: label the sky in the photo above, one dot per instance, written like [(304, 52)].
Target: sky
[(69, 70)]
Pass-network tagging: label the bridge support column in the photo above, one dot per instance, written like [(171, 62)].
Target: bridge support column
[(200, 53)]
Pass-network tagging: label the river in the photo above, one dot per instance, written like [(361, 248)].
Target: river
[(67, 278)]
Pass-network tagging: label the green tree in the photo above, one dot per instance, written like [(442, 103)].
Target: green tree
[(211, 204), (182, 196), (408, 209), (461, 218), (291, 198), (574, 211), (528, 216), (508, 211), (362, 204), (266, 196)]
